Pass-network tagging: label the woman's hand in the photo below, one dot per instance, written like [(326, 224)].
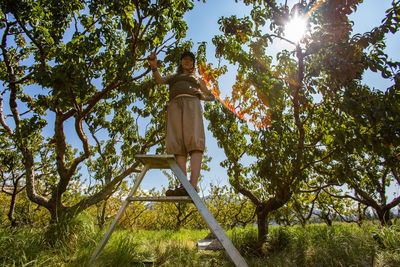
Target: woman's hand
[(152, 60), (198, 93), (203, 91)]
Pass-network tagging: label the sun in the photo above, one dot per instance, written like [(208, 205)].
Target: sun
[(296, 28)]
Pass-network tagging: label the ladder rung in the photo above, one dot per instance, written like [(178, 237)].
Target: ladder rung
[(162, 199), (209, 244)]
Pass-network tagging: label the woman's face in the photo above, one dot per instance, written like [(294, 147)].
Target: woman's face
[(187, 63)]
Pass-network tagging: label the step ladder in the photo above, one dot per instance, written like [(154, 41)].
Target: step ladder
[(168, 162)]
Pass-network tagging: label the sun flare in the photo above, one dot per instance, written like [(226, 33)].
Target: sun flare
[(296, 28)]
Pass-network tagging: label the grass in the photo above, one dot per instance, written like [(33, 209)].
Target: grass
[(313, 245)]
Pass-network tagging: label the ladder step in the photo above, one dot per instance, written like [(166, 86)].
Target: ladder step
[(156, 161), (209, 244), (162, 199)]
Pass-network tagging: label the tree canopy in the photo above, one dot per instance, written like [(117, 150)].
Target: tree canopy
[(307, 121), (81, 65)]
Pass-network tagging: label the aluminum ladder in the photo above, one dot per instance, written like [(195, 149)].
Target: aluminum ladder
[(168, 162)]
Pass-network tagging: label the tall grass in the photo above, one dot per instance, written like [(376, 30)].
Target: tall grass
[(388, 239), (313, 245)]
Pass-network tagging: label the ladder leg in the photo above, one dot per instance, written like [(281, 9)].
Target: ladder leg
[(212, 223), (121, 211)]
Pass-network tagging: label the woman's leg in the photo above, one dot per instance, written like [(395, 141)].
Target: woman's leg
[(181, 161), (195, 165)]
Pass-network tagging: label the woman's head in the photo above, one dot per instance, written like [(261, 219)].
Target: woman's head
[(187, 63)]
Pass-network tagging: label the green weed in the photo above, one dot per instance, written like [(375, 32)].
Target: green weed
[(312, 245)]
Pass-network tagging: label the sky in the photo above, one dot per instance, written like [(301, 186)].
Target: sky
[(203, 26)]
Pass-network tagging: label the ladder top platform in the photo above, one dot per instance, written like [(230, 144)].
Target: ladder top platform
[(156, 161)]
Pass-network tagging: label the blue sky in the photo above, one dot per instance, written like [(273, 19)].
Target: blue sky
[(203, 26)]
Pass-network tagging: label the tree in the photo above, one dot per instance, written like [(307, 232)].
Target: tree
[(331, 209), (228, 208), (366, 127), (11, 174), (77, 68), (299, 92), (304, 206)]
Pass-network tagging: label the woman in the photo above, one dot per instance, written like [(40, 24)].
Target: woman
[(185, 129)]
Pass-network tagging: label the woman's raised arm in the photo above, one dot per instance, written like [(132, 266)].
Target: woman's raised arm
[(207, 94), (152, 59)]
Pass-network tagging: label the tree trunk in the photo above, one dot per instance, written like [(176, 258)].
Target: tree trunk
[(12, 208), (262, 225), (327, 220), (384, 217), (59, 213), (361, 215), (102, 218)]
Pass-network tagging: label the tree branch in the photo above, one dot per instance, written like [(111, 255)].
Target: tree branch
[(270, 4), (316, 188), (37, 44), (2, 120), (92, 101), (60, 144), (341, 216), (85, 142), (93, 23), (282, 38), (396, 175), (344, 196), (394, 203), (11, 80), (105, 192), (368, 200), (319, 160), (23, 79)]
